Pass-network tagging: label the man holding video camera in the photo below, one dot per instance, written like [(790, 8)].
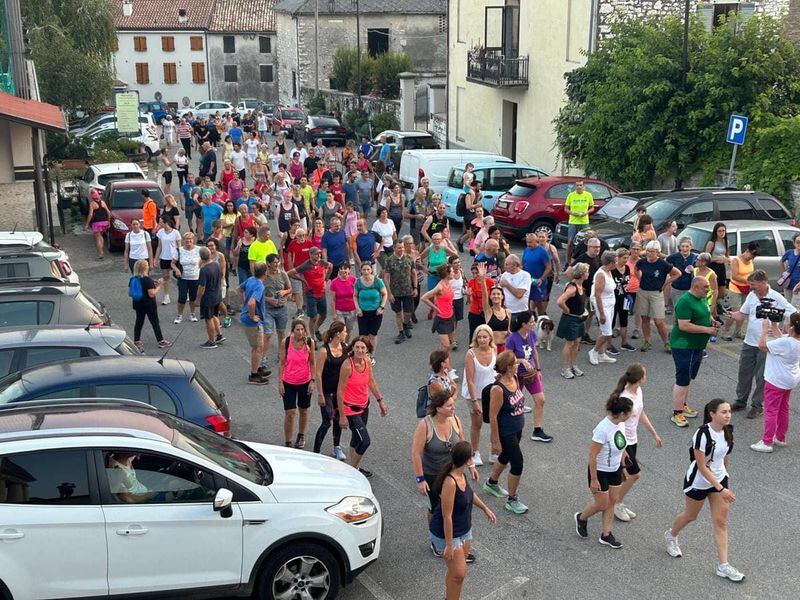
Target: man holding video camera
[(761, 303)]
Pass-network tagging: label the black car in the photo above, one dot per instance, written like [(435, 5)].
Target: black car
[(324, 128), (694, 206)]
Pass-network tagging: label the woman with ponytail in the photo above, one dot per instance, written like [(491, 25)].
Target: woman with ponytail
[(606, 453), (630, 386), (781, 376), (707, 478), (451, 523), (332, 354)]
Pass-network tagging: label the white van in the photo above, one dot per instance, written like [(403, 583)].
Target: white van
[(436, 165)]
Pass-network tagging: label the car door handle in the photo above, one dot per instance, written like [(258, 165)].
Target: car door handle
[(133, 530), (11, 534)]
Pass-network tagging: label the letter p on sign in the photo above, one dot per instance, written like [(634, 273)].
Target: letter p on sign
[(737, 129)]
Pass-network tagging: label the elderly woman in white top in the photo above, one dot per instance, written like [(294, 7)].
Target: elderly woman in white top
[(603, 300)]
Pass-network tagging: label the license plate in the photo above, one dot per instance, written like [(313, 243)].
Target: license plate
[(502, 204), (329, 131)]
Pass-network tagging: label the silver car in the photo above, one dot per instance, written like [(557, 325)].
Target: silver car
[(773, 239), (25, 347)]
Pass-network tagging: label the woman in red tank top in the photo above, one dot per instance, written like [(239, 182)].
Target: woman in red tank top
[(356, 381), (440, 299)]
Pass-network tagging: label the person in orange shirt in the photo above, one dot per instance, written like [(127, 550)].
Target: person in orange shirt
[(150, 217)]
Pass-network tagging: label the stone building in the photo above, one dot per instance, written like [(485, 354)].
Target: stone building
[(416, 27)]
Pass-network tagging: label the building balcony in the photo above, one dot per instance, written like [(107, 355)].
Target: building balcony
[(489, 67)]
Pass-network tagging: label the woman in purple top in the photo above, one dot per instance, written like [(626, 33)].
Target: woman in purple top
[(235, 187), (522, 342)]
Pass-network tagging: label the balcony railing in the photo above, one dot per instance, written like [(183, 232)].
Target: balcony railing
[(492, 68)]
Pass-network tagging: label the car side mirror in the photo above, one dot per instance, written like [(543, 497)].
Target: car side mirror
[(222, 503)]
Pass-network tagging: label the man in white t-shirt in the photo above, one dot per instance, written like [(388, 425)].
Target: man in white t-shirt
[(239, 161), (752, 359), (516, 285)]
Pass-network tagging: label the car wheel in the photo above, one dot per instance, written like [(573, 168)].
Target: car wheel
[(149, 153), (543, 226), (303, 570)]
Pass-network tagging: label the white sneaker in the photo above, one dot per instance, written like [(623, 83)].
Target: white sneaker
[(631, 514), (193, 317), (760, 446), (338, 453), (567, 374), (594, 358), (729, 572), (476, 459), (605, 358), (621, 513), (166, 300), (178, 320), (492, 459), (577, 372), (527, 409), (672, 545)]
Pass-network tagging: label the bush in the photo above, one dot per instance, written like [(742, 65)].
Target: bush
[(107, 156), (357, 121), (379, 75), (344, 67), (383, 121), (316, 106), (770, 160), (60, 147)]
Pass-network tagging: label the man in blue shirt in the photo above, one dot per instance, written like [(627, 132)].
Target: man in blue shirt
[(366, 244), (683, 260), (252, 317), (334, 246), (365, 147), (386, 153), (236, 134), (210, 212), (349, 189), (536, 261)]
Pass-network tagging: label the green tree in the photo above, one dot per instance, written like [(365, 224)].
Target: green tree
[(627, 118), (71, 43), (388, 67)]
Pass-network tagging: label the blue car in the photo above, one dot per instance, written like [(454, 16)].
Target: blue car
[(159, 110), (173, 386), (497, 178)]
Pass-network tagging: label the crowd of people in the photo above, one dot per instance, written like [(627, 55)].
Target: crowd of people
[(300, 236)]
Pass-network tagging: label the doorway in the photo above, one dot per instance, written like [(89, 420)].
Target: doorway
[(509, 129)]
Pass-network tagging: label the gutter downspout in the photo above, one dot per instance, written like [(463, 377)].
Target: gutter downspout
[(297, 56), (447, 82), (208, 65)]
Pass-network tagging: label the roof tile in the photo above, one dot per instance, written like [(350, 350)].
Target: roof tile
[(31, 112), (243, 15), (157, 14)]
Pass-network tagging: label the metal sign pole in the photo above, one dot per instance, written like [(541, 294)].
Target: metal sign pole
[(730, 168)]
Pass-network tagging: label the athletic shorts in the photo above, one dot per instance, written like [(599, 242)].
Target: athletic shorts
[(539, 292), (369, 322), (165, 265), (649, 304), (701, 495), (253, 335), (632, 466), (687, 364), (403, 304), (209, 312), (296, 395), (458, 309), (443, 326), (607, 479), (316, 306)]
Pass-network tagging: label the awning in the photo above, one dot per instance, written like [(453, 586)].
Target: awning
[(31, 112)]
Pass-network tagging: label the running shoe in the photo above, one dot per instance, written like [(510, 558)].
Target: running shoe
[(164, 344), (495, 490), (635, 334), (705, 353), (193, 317), (257, 380), (264, 371), (713, 339), (667, 348), (587, 340), (576, 371), (220, 339), (435, 552), (414, 318), (580, 526), (605, 358), (541, 436), (407, 330), (754, 412), (454, 347), (760, 446), (208, 344), (689, 412), (338, 453), (612, 350), (178, 320), (567, 374), (166, 300), (679, 420), (365, 473), (594, 357), (631, 514), (620, 513), (401, 337), (526, 409), (139, 347), (646, 347), (515, 506), (628, 348), (469, 558), (226, 322), (300, 441), (672, 545), (492, 458), (610, 541), (476, 459), (727, 338), (729, 572)]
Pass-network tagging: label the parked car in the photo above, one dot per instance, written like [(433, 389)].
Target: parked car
[(284, 119), (109, 121), (696, 206), (496, 179), (238, 518), (25, 347), (146, 138), (87, 120), (400, 141), (248, 105), (324, 128), (96, 177), (208, 108), (174, 386), (537, 203), (27, 304), (158, 110), (773, 239), (268, 108), (436, 165), (25, 256), (124, 199)]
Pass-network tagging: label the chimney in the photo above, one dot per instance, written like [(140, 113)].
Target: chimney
[(127, 8), (183, 18)]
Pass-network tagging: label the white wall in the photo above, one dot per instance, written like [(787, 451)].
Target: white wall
[(125, 59)]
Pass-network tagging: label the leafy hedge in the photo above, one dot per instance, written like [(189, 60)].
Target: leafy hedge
[(379, 75)]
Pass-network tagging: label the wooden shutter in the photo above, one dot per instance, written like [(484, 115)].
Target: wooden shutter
[(196, 42), (142, 73), (198, 72), (167, 43), (140, 43), (170, 73)]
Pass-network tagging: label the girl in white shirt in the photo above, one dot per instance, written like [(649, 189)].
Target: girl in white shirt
[(169, 240), (137, 246), (630, 386)]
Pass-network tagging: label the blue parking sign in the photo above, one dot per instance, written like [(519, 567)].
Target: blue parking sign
[(737, 129)]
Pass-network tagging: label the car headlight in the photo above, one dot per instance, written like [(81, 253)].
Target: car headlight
[(353, 509), (120, 225)]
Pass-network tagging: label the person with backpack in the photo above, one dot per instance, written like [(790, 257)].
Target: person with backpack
[(707, 479), (143, 290), (296, 369)]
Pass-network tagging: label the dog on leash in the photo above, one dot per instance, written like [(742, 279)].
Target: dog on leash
[(544, 332)]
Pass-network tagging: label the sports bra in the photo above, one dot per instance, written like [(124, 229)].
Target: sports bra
[(498, 324)]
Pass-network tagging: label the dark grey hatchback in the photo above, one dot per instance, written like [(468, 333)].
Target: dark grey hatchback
[(27, 304)]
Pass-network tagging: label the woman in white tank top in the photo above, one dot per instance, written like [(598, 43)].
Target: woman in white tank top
[(602, 300), (478, 373)]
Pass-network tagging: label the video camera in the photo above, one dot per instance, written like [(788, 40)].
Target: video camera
[(766, 310)]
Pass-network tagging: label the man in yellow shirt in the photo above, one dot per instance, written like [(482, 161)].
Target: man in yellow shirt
[(307, 193), (261, 248), (577, 205)]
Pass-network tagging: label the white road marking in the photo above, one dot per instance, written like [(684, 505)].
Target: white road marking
[(373, 587), (506, 589)]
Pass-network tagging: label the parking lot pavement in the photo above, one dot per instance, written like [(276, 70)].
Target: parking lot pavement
[(536, 555)]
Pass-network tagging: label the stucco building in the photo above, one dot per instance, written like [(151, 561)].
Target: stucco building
[(416, 27)]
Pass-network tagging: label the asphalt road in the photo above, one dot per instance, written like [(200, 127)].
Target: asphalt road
[(538, 554)]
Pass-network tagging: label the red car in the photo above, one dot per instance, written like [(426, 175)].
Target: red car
[(537, 203), (125, 201), (285, 118)]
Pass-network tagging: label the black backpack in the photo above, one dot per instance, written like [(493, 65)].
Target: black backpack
[(486, 399), (461, 205)]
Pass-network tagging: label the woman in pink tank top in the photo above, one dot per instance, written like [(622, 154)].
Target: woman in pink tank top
[(440, 299), (356, 381), (294, 380)]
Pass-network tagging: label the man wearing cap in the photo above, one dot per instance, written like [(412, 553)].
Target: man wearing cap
[(313, 274)]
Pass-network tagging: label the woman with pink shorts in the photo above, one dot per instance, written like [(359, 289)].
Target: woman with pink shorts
[(98, 220)]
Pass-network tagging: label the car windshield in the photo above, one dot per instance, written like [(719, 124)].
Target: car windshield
[(521, 190), (325, 122), (228, 454), (250, 103), (295, 115), (104, 179), (699, 236), (421, 141), (617, 207), (11, 388), (132, 198), (660, 209)]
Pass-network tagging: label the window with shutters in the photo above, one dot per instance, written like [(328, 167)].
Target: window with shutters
[(142, 73), (264, 44), (140, 43), (167, 43), (198, 72), (228, 44), (266, 73), (170, 73), (231, 73), (196, 42), (712, 14)]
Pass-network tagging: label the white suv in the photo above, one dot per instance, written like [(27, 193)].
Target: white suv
[(111, 497)]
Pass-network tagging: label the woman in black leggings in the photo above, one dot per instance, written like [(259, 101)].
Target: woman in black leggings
[(146, 306), (505, 411), (332, 354)]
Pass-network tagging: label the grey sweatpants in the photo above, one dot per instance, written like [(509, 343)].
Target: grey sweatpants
[(751, 366)]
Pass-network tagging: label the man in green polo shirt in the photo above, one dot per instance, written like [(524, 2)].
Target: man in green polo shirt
[(577, 206), (688, 338)]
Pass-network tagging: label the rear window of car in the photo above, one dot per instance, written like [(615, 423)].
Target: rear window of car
[(127, 348), (424, 142), (206, 391), (324, 122), (522, 190), (700, 237), (132, 198), (294, 115), (104, 179), (89, 302), (26, 312), (658, 209), (773, 208)]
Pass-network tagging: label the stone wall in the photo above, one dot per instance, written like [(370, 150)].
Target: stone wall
[(286, 49), (248, 59), (17, 207)]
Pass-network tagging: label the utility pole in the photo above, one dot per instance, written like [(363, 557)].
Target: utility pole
[(316, 47), (358, 51), (684, 73), (16, 47)]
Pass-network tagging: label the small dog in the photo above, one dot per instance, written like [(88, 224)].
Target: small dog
[(544, 332)]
